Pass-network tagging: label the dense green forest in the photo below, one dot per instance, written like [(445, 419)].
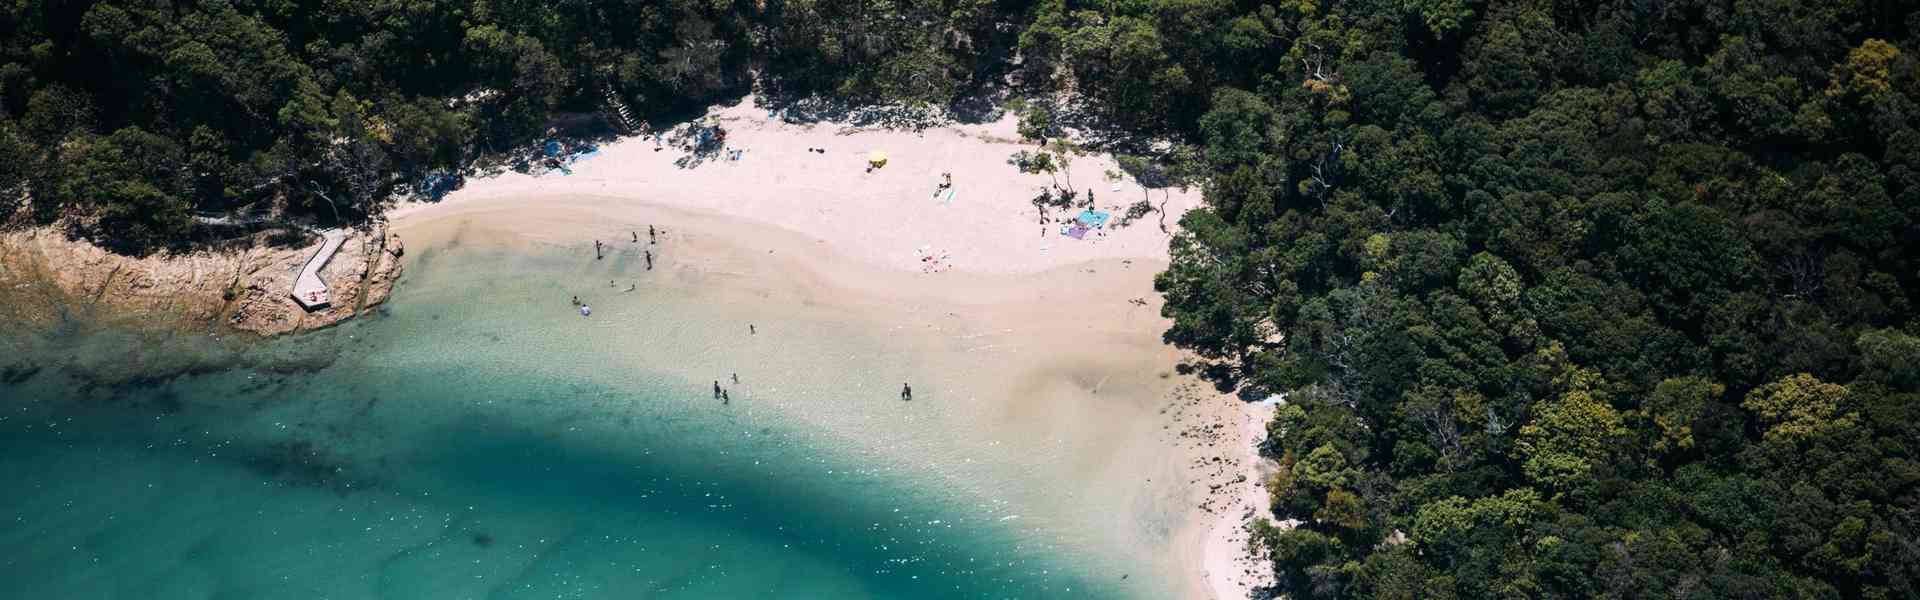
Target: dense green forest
[(1569, 298), (1573, 299), (124, 119)]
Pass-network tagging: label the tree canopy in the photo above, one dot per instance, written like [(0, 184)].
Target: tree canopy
[(250, 100), (1570, 299)]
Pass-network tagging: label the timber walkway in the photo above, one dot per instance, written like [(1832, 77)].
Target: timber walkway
[(308, 289)]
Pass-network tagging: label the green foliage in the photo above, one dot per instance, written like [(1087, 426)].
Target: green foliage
[(1585, 304), (1798, 407), (1891, 357), (129, 188), (1567, 439), (252, 92), (1676, 406)]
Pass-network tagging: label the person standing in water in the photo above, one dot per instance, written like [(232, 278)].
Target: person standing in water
[(636, 236), (726, 398), (751, 330), (649, 255), (716, 388), (736, 379), (596, 250), (906, 392)]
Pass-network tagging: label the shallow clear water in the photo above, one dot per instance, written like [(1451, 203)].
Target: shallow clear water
[(474, 442)]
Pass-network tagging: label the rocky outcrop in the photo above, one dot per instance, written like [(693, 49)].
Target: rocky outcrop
[(46, 277)]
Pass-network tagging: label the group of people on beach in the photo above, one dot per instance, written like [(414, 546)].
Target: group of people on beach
[(725, 395), (653, 237)]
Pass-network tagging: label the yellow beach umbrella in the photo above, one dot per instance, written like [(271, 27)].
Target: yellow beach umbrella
[(877, 158)]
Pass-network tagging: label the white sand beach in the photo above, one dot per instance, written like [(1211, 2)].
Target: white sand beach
[(1069, 328), (883, 216)]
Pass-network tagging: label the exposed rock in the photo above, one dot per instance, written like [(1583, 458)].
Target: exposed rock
[(47, 278)]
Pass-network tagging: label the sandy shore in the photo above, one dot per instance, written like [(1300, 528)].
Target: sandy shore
[(882, 217), (1063, 324)]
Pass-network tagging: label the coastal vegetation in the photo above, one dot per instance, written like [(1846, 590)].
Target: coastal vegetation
[(1568, 299), (125, 120), (1565, 298)]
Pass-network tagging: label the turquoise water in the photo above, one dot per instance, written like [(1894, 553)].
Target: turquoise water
[(454, 448)]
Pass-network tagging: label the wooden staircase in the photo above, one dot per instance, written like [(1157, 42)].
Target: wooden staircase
[(618, 112)]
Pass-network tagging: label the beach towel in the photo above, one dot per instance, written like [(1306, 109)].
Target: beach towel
[(947, 198), (1094, 218), (1078, 232)]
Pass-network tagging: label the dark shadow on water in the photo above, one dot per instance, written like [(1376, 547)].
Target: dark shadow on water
[(862, 529), (18, 374), (303, 463)]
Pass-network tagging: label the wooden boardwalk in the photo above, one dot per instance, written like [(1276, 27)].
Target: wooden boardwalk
[(308, 289)]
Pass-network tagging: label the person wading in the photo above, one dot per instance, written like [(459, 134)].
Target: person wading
[(906, 392)]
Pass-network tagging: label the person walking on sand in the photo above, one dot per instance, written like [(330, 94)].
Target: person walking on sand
[(906, 392), (716, 389), (596, 250), (651, 237), (649, 255), (636, 236), (736, 379), (751, 330)]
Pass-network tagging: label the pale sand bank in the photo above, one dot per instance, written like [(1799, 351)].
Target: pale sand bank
[(1032, 343), (881, 217)]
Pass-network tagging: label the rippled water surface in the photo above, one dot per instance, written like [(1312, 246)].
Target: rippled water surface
[(480, 440)]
